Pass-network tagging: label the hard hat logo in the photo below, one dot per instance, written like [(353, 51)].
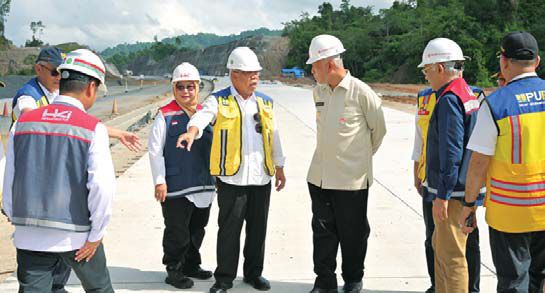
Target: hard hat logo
[(324, 50), (439, 54)]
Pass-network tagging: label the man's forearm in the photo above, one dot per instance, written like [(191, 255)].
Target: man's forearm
[(476, 175), (113, 132)]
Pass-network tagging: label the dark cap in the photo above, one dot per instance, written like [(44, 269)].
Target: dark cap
[(519, 45), (52, 55)]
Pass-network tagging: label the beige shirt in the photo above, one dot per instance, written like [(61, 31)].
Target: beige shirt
[(350, 128)]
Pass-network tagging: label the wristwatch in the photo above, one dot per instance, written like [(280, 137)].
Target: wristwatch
[(468, 204)]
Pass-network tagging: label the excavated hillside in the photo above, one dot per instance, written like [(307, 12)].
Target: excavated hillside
[(271, 51), (14, 60)]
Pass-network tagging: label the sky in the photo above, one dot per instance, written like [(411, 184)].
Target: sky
[(104, 23)]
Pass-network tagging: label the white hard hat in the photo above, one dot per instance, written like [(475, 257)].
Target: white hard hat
[(86, 62), (324, 46), (244, 59), (441, 50), (185, 71)]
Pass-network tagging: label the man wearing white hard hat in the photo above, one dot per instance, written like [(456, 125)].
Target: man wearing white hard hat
[(183, 184), (350, 128), (246, 153), (426, 102), (447, 158), (59, 182)]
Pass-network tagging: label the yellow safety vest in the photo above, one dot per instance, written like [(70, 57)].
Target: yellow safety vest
[(426, 104), (225, 156), (515, 201)]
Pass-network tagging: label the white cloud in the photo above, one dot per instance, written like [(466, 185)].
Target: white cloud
[(104, 23)]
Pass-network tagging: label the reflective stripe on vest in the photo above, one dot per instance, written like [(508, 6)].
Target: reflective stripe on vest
[(49, 224), (516, 176), (516, 140), (225, 157)]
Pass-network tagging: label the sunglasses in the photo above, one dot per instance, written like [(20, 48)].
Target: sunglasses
[(53, 72), (181, 87), (258, 126)]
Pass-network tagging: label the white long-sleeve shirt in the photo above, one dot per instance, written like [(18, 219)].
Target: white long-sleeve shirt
[(156, 144), (252, 171), (101, 185), (417, 146)]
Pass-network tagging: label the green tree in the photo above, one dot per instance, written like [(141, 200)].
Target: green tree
[(37, 28), (4, 11), (388, 45)]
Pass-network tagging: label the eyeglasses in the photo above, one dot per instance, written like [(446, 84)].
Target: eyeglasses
[(258, 126), (247, 73), (189, 88), (427, 69), (53, 72)]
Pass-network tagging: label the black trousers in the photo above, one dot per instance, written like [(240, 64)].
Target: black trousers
[(339, 217), (184, 233), (519, 259), (61, 274), (35, 270), (236, 205), (473, 252)]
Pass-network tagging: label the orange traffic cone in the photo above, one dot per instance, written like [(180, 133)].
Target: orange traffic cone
[(114, 107), (6, 110)]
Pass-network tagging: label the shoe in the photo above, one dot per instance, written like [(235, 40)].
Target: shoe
[(354, 287), (178, 280), (198, 273), (322, 290), (258, 283), (220, 287)]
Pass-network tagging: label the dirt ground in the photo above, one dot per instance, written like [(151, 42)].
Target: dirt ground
[(404, 88), (7, 251)]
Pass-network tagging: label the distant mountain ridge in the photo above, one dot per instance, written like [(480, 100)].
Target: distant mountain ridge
[(196, 41)]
